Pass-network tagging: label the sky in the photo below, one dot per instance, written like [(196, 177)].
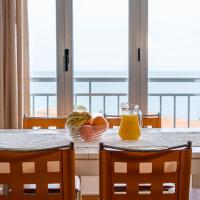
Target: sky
[(101, 35), (174, 34)]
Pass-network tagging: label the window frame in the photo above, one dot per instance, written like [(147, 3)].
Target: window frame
[(138, 70)]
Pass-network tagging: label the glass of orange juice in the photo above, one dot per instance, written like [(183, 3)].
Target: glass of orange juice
[(129, 126)]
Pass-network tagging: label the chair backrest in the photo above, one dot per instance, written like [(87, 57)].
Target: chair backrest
[(113, 121), (153, 121), (153, 175), (44, 122), (48, 174)]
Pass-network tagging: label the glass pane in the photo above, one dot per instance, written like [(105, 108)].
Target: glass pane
[(42, 47), (97, 104), (194, 112), (111, 105), (174, 58), (101, 51)]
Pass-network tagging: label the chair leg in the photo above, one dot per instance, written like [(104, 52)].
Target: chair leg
[(78, 187), (78, 195)]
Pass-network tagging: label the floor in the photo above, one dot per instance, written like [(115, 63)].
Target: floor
[(195, 194)]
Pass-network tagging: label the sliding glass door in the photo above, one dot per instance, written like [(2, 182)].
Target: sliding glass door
[(43, 57), (86, 55), (50, 77), (174, 61), (100, 54)]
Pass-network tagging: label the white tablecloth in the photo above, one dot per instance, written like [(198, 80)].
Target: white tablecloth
[(39, 139)]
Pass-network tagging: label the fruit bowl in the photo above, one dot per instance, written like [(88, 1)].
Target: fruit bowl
[(83, 127)]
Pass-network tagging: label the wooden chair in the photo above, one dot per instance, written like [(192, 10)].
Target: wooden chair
[(145, 174), (42, 174), (44, 122), (153, 121)]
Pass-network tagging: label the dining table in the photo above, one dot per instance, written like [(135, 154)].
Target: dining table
[(87, 152)]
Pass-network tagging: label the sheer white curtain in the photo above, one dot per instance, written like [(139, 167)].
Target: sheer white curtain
[(14, 63)]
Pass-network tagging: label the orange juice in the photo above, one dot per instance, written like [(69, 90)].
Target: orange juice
[(129, 127)]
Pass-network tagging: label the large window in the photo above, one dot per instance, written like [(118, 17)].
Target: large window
[(42, 47), (100, 54), (114, 47), (174, 61), (102, 39)]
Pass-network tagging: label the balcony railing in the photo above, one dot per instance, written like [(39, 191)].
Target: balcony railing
[(118, 95)]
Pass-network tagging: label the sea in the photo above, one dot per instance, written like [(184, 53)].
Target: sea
[(186, 88)]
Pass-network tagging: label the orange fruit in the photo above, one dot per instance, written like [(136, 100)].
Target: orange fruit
[(100, 124), (99, 120)]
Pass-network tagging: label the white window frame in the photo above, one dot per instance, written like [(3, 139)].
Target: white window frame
[(64, 41), (138, 38)]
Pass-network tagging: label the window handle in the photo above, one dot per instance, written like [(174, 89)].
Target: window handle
[(66, 60), (138, 54)]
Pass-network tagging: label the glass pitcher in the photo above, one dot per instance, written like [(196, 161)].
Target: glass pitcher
[(130, 126)]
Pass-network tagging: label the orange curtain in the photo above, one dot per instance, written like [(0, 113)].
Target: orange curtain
[(14, 63)]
